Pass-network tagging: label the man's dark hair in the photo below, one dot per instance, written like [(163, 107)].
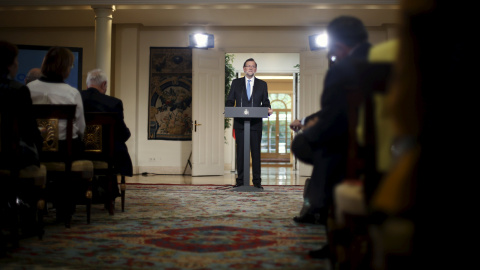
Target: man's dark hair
[(250, 59), (347, 30), (8, 52)]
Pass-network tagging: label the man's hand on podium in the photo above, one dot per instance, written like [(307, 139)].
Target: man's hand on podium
[(270, 111)]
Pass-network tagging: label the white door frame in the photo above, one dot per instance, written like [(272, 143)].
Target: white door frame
[(313, 67)]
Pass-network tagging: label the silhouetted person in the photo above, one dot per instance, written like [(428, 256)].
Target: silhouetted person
[(52, 89), (16, 110), (326, 140), (95, 100), (20, 140), (327, 137)]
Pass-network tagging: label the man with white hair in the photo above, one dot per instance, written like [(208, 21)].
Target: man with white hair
[(95, 100)]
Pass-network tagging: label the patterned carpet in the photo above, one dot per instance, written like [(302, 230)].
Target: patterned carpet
[(181, 227)]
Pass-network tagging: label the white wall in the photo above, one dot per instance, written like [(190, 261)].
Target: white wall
[(268, 62), (125, 81)]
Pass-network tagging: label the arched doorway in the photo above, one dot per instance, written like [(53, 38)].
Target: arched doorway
[(276, 134)]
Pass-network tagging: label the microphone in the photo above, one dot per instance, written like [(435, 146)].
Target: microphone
[(252, 97), (241, 98)]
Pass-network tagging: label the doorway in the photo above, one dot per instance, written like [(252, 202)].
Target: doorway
[(276, 133)]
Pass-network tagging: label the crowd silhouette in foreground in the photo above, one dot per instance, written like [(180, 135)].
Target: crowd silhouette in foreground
[(415, 216)]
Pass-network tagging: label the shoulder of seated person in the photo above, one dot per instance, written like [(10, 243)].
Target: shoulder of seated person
[(16, 85)]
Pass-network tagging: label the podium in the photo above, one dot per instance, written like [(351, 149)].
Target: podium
[(247, 113)]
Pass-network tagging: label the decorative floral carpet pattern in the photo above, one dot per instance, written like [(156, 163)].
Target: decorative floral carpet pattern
[(181, 227)]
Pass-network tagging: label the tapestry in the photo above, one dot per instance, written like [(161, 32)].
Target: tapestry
[(170, 94)]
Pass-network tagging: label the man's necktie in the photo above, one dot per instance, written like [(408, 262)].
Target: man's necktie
[(248, 89)]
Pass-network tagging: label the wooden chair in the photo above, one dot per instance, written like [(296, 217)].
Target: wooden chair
[(69, 180), (100, 148), (31, 189)]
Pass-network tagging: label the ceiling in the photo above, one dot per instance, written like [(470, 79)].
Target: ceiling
[(213, 13)]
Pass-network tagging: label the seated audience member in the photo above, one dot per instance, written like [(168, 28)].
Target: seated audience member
[(51, 89), (95, 100), (32, 75), (16, 107), (326, 140), (20, 140)]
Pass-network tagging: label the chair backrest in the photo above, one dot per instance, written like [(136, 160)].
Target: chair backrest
[(99, 138), (355, 163), (374, 82), (9, 142), (48, 117), (1, 135), (5, 144)]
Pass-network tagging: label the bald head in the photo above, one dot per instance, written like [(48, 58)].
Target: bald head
[(32, 75)]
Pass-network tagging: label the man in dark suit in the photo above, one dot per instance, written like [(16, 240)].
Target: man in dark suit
[(19, 145), (324, 142), (249, 92), (95, 100)]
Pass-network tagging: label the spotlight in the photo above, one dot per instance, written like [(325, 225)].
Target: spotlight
[(201, 40), (318, 42)]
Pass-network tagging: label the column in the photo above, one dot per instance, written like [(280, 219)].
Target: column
[(103, 39)]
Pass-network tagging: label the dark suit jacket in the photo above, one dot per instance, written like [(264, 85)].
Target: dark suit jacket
[(238, 97), (331, 130), (325, 144), (17, 122), (94, 101)]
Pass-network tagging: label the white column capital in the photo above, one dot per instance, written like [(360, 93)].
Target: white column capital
[(103, 11)]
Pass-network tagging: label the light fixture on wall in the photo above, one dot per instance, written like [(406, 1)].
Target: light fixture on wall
[(201, 40), (318, 42)]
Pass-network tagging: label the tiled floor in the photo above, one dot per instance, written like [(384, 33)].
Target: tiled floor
[(270, 176)]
